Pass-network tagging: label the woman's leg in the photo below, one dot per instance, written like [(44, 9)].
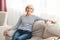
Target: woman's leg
[(16, 34), (25, 36)]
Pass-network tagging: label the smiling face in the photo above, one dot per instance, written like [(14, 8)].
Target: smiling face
[(29, 9)]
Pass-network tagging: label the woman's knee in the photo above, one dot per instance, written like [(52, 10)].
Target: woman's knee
[(24, 37), (20, 38)]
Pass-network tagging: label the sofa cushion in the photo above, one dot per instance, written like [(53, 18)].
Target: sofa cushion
[(38, 28), (36, 38), (47, 34), (51, 30)]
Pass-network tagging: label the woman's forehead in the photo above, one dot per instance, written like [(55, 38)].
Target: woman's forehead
[(29, 6)]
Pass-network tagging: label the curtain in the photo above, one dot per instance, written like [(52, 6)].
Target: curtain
[(3, 5), (0, 5)]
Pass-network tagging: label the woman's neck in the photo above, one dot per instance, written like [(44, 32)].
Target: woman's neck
[(28, 14)]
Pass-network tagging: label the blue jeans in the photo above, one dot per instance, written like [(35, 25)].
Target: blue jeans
[(22, 35)]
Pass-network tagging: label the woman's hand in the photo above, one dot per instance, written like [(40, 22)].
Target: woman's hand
[(5, 32), (52, 21)]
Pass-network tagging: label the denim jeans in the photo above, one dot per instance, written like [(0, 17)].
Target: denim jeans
[(22, 35)]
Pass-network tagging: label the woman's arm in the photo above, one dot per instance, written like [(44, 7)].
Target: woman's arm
[(45, 20), (17, 25), (38, 18), (14, 27)]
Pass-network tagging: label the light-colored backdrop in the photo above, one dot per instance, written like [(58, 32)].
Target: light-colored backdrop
[(48, 9)]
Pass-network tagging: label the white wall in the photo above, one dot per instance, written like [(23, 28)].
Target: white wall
[(53, 10), (48, 9)]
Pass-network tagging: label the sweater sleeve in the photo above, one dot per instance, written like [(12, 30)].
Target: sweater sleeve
[(17, 25), (38, 18)]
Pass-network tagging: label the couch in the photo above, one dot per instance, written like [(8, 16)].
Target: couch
[(40, 32)]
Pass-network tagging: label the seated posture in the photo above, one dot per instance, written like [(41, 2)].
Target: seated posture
[(24, 25)]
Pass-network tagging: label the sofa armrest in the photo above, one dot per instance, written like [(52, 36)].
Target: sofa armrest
[(9, 35)]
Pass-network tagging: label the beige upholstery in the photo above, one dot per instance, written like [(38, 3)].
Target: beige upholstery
[(47, 34), (38, 32), (38, 28)]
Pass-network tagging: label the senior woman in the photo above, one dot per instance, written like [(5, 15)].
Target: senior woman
[(24, 25)]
